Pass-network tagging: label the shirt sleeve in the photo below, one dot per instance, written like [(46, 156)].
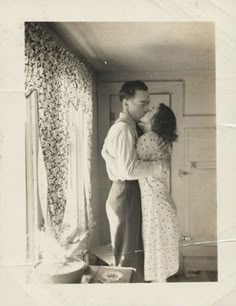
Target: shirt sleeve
[(130, 166)]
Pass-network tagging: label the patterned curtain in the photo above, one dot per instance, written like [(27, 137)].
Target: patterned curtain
[(61, 79)]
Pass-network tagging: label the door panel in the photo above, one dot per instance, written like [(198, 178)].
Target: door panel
[(202, 206), (200, 159), (200, 145)]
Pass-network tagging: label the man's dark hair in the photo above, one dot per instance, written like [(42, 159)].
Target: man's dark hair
[(128, 89), (164, 123)]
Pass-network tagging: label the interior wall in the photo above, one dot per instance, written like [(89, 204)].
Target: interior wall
[(199, 86), (199, 99)]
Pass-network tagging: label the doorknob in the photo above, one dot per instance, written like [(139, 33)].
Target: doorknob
[(183, 172)]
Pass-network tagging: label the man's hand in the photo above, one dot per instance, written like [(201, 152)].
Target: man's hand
[(163, 144)]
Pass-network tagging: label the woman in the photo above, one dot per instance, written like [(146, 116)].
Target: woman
[(159, 216)]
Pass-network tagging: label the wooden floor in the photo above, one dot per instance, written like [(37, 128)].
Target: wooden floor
[(103, 256), (201, 276)]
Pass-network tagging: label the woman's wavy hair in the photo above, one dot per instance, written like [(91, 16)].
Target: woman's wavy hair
[(163, 123)]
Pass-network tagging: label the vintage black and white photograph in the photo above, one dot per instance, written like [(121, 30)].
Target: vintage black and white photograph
[(120, 143)]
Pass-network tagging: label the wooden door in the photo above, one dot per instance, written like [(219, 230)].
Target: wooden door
[(194, 189)]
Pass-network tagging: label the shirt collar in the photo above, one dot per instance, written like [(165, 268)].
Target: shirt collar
[(128, 118)]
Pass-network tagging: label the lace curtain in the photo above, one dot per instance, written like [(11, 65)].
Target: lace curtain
[(62, 80), (75, 223)]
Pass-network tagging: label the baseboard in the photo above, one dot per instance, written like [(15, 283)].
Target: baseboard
[(197, 263)]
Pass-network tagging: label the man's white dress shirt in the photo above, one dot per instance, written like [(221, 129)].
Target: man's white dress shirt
[(119, 152)]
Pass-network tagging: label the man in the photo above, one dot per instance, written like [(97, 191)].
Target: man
[(124, 169)]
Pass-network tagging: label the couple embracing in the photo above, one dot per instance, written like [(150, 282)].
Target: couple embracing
[(141, 213)]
